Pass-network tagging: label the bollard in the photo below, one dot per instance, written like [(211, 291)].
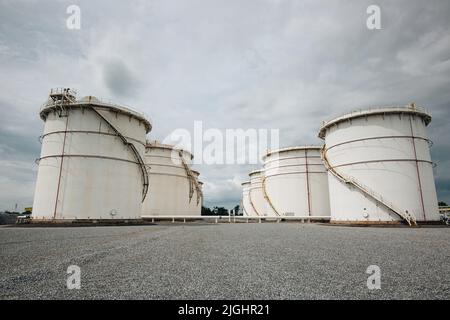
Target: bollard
[(173, 220), (184, 220)]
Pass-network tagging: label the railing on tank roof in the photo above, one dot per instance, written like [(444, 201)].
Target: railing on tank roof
[(99, 101), (368, 110), (107, 102), (61, 90)]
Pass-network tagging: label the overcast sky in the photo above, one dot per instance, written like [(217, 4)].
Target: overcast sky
[(278, 64)]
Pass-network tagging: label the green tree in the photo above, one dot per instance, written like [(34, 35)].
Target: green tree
[(206, 211)]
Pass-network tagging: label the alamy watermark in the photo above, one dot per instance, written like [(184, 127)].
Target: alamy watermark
[(374, 280), (373, 21), (227, 146), (73, 21), (74, 278)]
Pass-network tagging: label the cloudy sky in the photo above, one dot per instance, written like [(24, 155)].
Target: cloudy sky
[(278, 64)]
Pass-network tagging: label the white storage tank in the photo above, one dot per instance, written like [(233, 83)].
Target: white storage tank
[(255, 194), (91, 164), (295, 182), (247, 208), (379, 166), (174, 189)]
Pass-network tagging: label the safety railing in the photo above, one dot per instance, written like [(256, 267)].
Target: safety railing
[(134, 151), (233, 219), (411, 220), (359, 112)]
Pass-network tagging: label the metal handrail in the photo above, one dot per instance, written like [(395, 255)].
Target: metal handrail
[(99, 102), (266, 196), (192, 180), (368, 110), (251, 202), (411, 220), (233, 218), (134, 151)]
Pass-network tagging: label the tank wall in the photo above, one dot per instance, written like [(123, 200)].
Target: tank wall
[(290, 176), (256, 196), (379, 153), (247, 206), (169, 184), (169, 195), (99, 178)]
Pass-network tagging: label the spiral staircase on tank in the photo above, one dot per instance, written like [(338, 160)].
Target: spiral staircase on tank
[(266, 196), (133, 150), (404, 215), (193, 183), (251, 202)]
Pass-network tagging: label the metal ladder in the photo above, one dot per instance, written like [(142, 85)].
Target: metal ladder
[(410, 219), (134, 151), (61, 97), (192, 180), (266, 196)]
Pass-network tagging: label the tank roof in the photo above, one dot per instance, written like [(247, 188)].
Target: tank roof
[(287, 149), (409, 109), (66, 97), (159, 145)]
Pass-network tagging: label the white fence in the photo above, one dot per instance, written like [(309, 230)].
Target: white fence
[(234, 219)]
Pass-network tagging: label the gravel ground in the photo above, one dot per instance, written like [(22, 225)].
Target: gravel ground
[(225, 261)]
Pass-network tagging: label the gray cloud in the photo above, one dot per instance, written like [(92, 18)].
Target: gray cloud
[(119, 78), (232, 64)]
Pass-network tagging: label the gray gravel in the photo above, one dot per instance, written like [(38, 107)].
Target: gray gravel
[(225, 261)]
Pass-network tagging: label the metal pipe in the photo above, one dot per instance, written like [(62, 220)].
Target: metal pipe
[(60, 167), (270, 218), (380, 160), (377, 138), (89, 132), (86, 156), (307, 182)]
